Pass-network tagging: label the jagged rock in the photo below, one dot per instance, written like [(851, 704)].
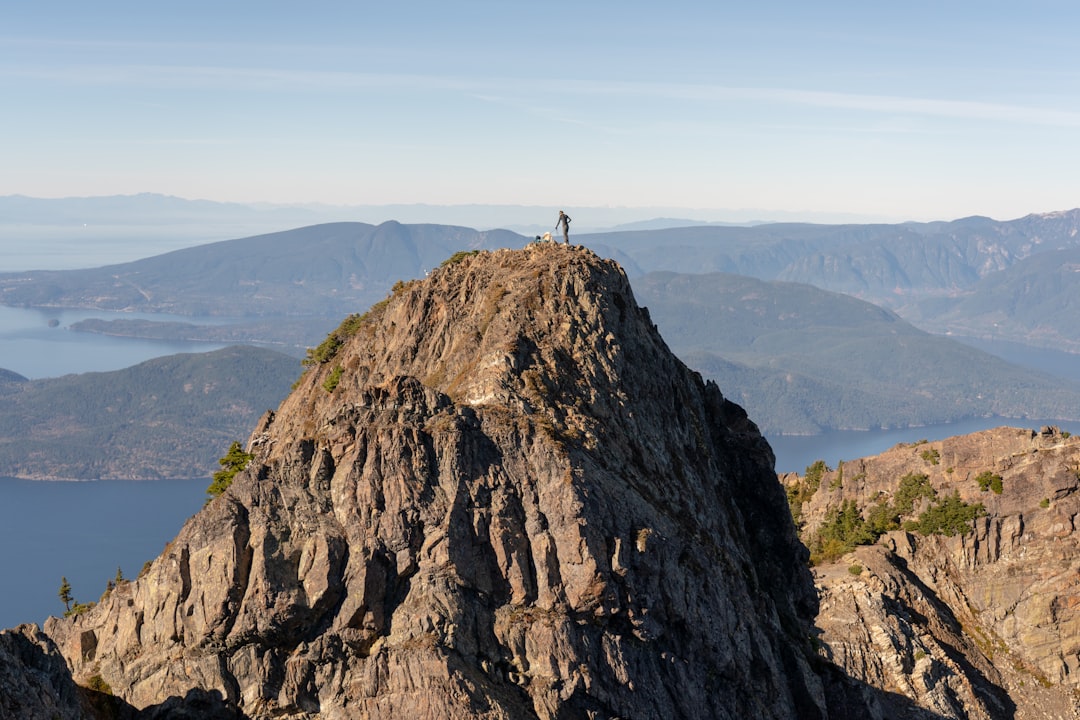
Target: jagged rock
[(500, 497), (980, 625), (34, 679)]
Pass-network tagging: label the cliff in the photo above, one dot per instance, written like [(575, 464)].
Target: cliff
[(984, 623), (495, 495)]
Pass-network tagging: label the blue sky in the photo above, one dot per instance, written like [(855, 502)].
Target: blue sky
[(893, 111)]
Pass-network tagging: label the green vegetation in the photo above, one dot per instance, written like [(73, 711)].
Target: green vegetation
[(838, 481), (234, 461), (71, 606), (815, 472), (840, 531), (913, 486), (79, 609), (328, 348), (803, 490), (882, 518), (989, 481), (931, 456), (844, 527), (112, 584), (98, 684), (457, 257), (65, 595), (332, 380), (951, 516), (855, 569), (1044, 503)]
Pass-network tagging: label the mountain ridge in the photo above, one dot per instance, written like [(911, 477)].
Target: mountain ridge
[(321, 272)]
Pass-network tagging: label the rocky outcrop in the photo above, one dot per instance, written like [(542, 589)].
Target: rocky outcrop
[(34, 679), (983, 624), (496, 495)]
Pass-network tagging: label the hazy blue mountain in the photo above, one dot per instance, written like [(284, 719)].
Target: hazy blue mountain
[(818, 359), (1036, 301), (893, 265), (170, 417), (802, 359), (320, 269), (327, 269), (660, 224), (161, 214)]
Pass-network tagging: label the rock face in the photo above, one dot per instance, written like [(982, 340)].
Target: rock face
[(496, 495), (34, 679), (978, 625)]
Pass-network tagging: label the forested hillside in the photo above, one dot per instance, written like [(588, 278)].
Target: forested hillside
[(171, 417), (803, 360)]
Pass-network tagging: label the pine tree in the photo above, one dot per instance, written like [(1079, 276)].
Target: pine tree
[(234, 461), (65, 594)]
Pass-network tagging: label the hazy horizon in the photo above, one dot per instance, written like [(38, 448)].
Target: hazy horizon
[(916, 112)]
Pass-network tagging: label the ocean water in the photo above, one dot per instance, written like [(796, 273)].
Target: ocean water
[(38, 343), (83, 531)]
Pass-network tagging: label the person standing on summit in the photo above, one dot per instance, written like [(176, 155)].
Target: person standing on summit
[(564, 220)]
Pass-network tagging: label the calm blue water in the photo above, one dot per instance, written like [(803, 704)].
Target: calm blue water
[(30, 347), (82, 531)]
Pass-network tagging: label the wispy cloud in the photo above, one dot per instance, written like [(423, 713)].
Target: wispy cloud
[(531, 92), (881, 104)]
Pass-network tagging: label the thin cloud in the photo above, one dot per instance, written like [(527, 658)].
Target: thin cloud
[(882, 104), (514, 91)]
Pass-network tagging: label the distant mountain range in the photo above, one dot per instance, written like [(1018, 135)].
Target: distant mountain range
[(803, 360), (1036, 299), (172, 214), (940, 275), (318, 270), (739, 303)]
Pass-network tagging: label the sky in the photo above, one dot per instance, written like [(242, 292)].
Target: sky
[(890, 111)]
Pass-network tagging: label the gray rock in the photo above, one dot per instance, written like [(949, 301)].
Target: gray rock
[(513, 501), (34, 679), (984, 624)]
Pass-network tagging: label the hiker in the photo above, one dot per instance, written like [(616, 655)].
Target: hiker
[(564, 220)]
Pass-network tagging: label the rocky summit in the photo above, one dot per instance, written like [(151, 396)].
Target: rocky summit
[(497, 494)]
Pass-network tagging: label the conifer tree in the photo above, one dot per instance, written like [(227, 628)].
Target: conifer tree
[(65, 594), (234, 461)]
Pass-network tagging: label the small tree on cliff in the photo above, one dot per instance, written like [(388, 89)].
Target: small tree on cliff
[(234, 461), (65, 594)]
